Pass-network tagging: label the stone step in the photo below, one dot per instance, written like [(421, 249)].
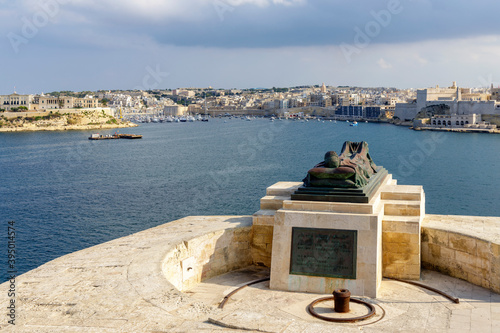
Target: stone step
[(283, 188), (333, 207), (400, 218), (401, 207), (401, 224), (264, 217), (265, 212), (402, 192), (274, 202)]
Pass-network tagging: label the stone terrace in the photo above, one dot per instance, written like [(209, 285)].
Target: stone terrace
[(121, 286)]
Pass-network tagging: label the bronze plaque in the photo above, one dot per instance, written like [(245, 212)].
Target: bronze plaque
[(324, 252)]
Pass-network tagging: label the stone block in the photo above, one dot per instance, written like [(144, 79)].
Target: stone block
[(262, 238), (262, 229), (264, 217), (279, 218), (414, 248), (283, 188), (434, 251), (474, 279), (437, 237), (483, 249), (272, 202), (425, 251), (412, 271), (458, 270), (447, 253), (495, 250), (466, 258), (462, 243), (390, 270), (401, 239), (403, 208)]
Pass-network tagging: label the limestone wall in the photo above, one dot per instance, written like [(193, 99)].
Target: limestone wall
[(206, 256), (466, 247)]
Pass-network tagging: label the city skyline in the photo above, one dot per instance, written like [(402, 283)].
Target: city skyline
[(76, 45)]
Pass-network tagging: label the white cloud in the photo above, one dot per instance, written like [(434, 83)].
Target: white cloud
[(183, 10), (383, 64)]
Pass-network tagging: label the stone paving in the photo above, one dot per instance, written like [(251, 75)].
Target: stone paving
[(119, 286), (407, 308)]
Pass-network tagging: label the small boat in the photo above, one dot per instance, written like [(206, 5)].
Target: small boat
[(354, 123), (97, 136), (130, 136)]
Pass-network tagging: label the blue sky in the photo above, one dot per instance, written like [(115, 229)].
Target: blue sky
[(49, 45)]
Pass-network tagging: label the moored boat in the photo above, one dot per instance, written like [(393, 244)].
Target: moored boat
[(130, 136), (97, 136)]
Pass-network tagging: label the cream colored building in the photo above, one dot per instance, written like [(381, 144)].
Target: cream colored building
[(8, 102), (175, 110), (194, 108), (47, 102), (183, 92), (460, 121), (42, 102), (461, 101)]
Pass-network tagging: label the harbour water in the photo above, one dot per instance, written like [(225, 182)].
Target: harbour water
[(66, 193)]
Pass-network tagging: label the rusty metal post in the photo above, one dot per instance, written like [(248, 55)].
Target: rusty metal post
[(341, 298)]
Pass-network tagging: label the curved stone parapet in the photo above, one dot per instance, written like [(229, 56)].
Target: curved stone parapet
[(122, 285), (466, 247)]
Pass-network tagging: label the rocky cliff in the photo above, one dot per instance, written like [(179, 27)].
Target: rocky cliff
[(54, 121)]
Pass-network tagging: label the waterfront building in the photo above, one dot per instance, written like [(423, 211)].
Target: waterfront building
[(8, 102), (194, 108), (45, 102), (460, 101), (175, 110), (372, 112), (351, 111), (458, 121)]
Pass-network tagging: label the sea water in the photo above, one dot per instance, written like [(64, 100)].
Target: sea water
[(66, 192)]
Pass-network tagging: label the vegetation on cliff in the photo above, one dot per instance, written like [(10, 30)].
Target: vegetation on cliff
[(57, 121)]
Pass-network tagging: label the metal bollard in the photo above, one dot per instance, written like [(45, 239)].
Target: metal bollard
[(341, 298)]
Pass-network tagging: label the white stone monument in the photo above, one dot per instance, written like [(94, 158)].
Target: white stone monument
[(319, 246)]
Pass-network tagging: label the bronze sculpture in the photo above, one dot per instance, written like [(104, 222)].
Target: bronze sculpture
[(352, 169)]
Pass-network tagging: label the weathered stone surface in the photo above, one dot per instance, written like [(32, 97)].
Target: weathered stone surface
[(119, 286), (463, 247)]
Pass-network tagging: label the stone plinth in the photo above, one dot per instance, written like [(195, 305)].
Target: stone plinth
[(387, 227), (369, 248)]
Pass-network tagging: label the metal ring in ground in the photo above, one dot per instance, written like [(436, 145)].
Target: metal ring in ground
[(311, 310), (451, 298)]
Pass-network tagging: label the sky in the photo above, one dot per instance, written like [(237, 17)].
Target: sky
[(54, 45)]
